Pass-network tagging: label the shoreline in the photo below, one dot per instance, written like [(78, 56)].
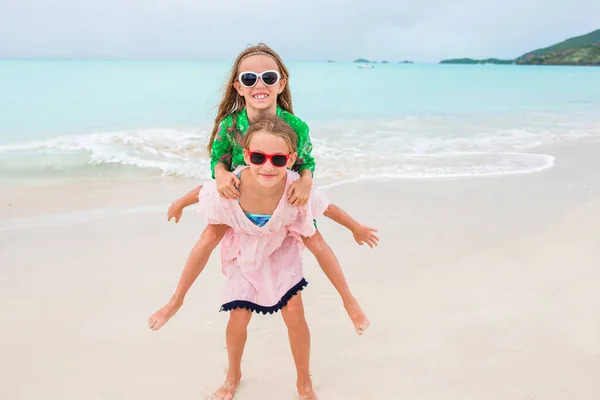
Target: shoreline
[(125, 191)]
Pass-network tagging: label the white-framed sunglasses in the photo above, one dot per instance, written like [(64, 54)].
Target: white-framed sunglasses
[(249, 78)]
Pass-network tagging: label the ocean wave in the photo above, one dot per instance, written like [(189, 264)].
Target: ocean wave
[(172, 152), (407, 148)]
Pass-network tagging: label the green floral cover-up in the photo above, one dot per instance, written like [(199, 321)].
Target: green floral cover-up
[(227, 148)]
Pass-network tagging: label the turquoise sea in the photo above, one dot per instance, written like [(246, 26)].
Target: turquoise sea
[(62, 119)]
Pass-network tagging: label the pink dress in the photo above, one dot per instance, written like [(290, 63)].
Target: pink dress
[(262, 265)]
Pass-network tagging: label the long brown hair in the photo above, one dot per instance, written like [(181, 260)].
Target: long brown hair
[(232, 102)]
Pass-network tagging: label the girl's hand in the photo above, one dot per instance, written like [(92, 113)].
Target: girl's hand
[(175, 211), (227, 185), (299, 191), (364, 234)]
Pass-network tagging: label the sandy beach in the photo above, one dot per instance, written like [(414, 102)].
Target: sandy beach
[(481, 288)]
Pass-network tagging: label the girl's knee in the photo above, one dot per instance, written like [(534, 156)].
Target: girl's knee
[(240, 317), (293, 312), (213, 234), (315, 243)]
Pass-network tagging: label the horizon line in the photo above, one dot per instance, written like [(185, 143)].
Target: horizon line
[(383, 61)]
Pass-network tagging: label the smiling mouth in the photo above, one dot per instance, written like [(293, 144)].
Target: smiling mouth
[(260, 96)]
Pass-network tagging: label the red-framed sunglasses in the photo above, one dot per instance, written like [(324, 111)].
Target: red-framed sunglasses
[(278, 160)]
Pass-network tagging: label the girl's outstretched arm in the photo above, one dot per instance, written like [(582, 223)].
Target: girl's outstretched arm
[(176, 208), (362, 233), (191, 197)]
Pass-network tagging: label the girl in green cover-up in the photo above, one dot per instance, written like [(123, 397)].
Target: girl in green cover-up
[(258, 86)]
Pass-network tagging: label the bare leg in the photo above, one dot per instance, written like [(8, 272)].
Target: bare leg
[(332, 269), (299, 335), (236, 335), (210, 238)]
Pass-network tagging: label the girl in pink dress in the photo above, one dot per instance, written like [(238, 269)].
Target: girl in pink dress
[(258, 86), (261, 254)]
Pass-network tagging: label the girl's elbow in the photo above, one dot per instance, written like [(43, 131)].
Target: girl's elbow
[(331, 210)]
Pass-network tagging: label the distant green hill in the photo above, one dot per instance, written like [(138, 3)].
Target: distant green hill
[(579, 50), (586, 55), (473, 61), (591, 38)]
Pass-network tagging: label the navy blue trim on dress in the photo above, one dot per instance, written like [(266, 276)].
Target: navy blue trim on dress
[(248, 305)]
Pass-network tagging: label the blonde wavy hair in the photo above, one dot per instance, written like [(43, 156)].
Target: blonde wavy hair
[(276, 127)]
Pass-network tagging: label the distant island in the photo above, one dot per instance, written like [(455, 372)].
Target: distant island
[(579, 50), (473, 61), (365, 61)]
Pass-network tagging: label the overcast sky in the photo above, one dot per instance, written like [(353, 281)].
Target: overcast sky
[(395, 30)]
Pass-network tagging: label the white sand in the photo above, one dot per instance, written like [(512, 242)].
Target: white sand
[(480, 289)]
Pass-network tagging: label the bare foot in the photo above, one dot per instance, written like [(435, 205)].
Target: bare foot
[(357, 315), (159, 318), (306, 392), (227, 390)]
